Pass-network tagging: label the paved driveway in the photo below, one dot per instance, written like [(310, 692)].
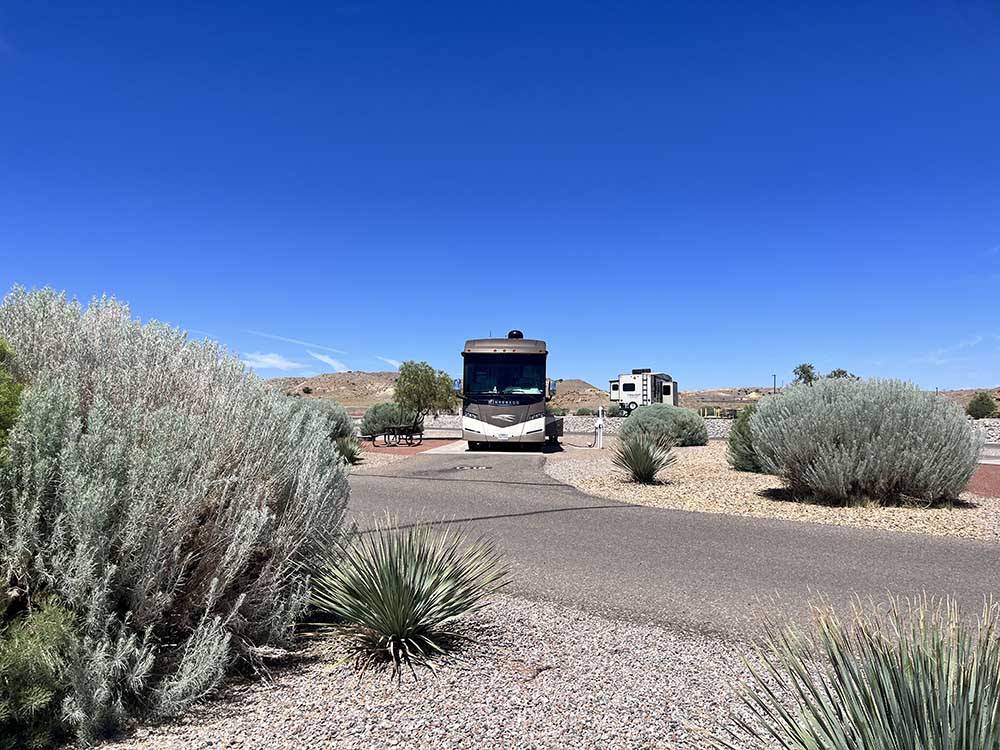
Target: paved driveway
[(704, 571)]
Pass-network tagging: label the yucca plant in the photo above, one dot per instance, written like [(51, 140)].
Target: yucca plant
[(912, 675), (350, 449), (642, 455), (399, 591)]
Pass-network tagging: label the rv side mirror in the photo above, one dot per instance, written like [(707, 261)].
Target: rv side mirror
[(552, 388), (456, 384)]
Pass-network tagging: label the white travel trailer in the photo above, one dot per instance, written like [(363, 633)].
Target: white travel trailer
[(642, 387)]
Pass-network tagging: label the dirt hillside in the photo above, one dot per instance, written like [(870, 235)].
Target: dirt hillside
[(359, 390), (573, 394), (353, 389)]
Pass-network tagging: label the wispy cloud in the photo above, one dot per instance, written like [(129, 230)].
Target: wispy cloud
[(947, 355), (270, 361), (297, 341), (391, 362), (336, 364)]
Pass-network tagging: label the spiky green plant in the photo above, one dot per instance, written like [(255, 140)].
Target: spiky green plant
[(401, 590), (350, 449), (913, 675), (642, 455)]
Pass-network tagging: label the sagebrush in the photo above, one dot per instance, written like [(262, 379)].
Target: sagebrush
[(912, 675), (676, 425), (161, 494), (400, 590), (882, 441)]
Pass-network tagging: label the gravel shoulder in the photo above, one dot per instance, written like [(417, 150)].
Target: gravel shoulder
[(544, 676), (701, 480)]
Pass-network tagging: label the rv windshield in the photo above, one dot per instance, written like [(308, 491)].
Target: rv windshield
[(510, 374)]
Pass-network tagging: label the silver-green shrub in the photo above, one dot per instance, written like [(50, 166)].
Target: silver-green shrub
[(160, 492), (676, 425), (337, 422), (882, 441)]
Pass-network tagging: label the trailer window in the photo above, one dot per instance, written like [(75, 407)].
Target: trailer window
[(614, 386), (666, 388), (628, 386)]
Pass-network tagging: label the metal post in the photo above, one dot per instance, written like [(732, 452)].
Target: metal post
[(599, 429), (774, 384)]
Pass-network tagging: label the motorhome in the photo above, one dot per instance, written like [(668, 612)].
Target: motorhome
[(504, 390), (642, 387)]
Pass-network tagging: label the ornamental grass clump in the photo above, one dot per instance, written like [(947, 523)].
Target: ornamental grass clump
[(681, 427), (400, 592), (913, 675), (162, 495), (877, 441), (642, 456)]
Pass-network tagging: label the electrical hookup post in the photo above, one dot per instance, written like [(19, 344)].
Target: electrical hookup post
[(599, 429)]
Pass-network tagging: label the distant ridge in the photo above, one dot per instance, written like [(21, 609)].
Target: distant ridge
[(357, 389)]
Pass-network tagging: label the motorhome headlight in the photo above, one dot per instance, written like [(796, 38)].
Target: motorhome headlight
[(470, 414), (537, 415)]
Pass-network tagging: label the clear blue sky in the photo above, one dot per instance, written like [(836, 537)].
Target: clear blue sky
[(719, 190)]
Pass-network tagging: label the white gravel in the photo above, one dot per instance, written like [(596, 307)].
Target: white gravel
[(546, 676), (702, 480)]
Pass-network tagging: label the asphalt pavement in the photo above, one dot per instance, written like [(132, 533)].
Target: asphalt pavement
[(700, 571)]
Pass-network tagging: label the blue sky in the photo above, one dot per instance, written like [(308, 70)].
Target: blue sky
[(718, 190)]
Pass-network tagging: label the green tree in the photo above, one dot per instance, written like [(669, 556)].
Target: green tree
[(422, 390), (804, 374), (840, 372), (981, 406)]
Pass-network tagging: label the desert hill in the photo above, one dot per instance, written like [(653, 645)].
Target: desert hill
[(359, 390), (353, 389), (572, 394)]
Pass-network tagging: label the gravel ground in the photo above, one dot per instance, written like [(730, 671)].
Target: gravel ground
[(701, 480), (545, 676), (374, 460)]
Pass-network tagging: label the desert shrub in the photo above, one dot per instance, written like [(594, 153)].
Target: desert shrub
[(400, 590), (614, 410), (380, 416), (335, 420), (847, 441), (555, 411), (584, 411), (33, 650), (914, 675), (981, 406), (160, 493), (642, 456), (350, 449), (676, 425), (742, 456)]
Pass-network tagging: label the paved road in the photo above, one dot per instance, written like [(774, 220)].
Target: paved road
[(703, 571)]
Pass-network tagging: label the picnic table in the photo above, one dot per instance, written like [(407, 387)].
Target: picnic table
[(410, 434)]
